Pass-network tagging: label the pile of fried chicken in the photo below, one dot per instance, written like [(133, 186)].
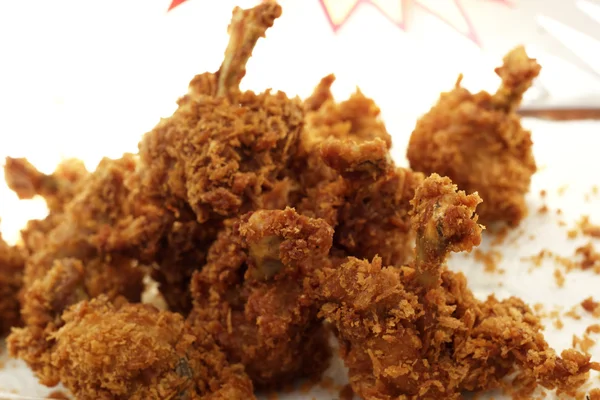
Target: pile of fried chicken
[(268, 223)]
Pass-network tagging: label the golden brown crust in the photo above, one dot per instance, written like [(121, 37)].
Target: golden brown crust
[(12, 262), (477, 140), (134, 351), (417, 332), (250, 295)]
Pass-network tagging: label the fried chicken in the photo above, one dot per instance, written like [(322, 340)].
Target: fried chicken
[(417, 332), (223, 148), (477, 140), (83, 256), (221, 154), (57, 189), (251, 297), (350, 180), (134, 351), (11, 278)]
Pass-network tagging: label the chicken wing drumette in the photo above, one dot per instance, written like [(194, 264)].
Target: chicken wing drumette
[(477, 140), (417, 332), (133, 351), (12, 262), (221, 154), (250, 295)]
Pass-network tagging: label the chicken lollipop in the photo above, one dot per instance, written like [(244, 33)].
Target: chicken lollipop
[(477, 140), (417, 332), (222, 153)]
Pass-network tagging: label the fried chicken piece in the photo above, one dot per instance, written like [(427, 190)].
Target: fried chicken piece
[(57, 189), (85, 255), (134, 351), (250, 295), (222, 148), (12, 262), (417, 332), (477, 140), (350, 180), (221, 154)]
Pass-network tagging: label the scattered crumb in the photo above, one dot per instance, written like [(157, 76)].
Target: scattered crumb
[(532, 237), (591, 258), (489, 259), (559, 211), (587, 228), (572, 313), (346, 393), (590, 305), (562, 190), (58, 394), (584, 343), (558, 324), (543, 209), (559, 278), (593, 329), (543, 193), (572, 234)]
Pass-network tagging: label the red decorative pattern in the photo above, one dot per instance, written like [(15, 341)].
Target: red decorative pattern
[(398, 20)]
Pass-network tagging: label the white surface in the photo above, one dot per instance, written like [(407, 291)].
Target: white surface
[(567, 155), (90, 85)]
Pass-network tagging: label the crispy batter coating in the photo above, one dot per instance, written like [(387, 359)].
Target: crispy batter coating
[(222, 153), (250, 295), (350, 180), (12, 262), (417, 332), (84, 255), (134, 351), (477, 140), (223, 148)]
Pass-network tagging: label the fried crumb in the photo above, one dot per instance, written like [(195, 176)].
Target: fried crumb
[(572, 233), (587, 228), (590, 305), (558, 324), (561, 190), (543, 193), (595, 328), (585, 343), (58, 394), (543, 209), (590, 258), (594, 394), (559, 278), (572, 313), (489, 259), (346, 393)]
